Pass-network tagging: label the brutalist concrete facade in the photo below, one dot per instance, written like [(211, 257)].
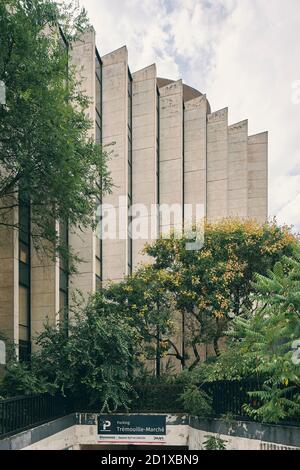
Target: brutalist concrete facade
[(168, 148)]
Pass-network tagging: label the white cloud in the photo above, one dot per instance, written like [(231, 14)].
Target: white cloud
[(243, 53), (139, 25)]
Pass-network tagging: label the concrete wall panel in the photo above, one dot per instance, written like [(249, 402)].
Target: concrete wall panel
[(217, 165), (258, 177), (238, 170), (195, 149), (115, 122), (171, 147)]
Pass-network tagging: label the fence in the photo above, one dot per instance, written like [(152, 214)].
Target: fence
[(158, 398), (20, 413), (231, 396), (147, 398), (17, 414)]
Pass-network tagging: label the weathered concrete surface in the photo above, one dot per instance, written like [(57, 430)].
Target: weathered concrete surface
[(115, 130), (243, 435), (58, 434), (217, 165), (9, 278), (171, 151), (258, 176), (83, 242), (238, 170), (195, 150), (144, 158)]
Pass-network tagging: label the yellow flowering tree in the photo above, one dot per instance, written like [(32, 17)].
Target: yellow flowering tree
[(213, 285)]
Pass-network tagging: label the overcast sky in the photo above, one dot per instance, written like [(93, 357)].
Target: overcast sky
[(244, 54)]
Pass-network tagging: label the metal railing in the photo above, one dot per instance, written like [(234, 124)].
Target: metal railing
[(231, 396), (20, 413), (157, 398), (228, 397)]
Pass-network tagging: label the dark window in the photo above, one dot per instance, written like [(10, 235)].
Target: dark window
[(129, 138), (158, 156), (98, 138), (24, 280), (64, 270), (183, 165)]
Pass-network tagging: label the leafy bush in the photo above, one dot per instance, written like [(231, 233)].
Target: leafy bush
[(267, 344), (196, 401), (158, 397), (214, 443), (91, 363)]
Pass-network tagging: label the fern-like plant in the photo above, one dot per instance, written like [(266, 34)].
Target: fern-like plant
[(196, 401), (214, 443), (267, 343)]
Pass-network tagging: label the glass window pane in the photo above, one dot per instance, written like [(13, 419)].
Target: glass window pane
[(98, 283), (24, 325), (63, 280), (24, 221), (98, 247), (63, 300), (98, 267), (23, 333), (24, 253)]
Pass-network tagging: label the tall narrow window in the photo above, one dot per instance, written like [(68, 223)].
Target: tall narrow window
[(64, 270), (183, 164), (98, 138), (129, 235), (158, 157), (24, 281)]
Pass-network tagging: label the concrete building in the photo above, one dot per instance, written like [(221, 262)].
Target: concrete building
[(168, 148)]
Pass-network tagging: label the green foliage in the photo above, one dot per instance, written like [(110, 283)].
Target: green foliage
[(266, 343), (21, 379), (203, 287), (147, 305), (45, 147), (196, 401), (214, 443), (157, 397), (91, 362), (212, 285), (9, 346)]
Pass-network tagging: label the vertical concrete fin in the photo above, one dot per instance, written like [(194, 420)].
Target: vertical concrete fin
[(217, 165), (82, 57), (115, 57), (172, 88), (9, 275), (146, 73), (171, 154), (258, 176), (115, 119), (144, 160), (238, 169), (195, 149)]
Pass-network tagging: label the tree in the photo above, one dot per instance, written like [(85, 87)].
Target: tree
[(214, 284), (91, 363), (46, 154), (144, 299), (268, 343)]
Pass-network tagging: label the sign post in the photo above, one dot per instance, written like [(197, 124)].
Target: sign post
[(132, 429)]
